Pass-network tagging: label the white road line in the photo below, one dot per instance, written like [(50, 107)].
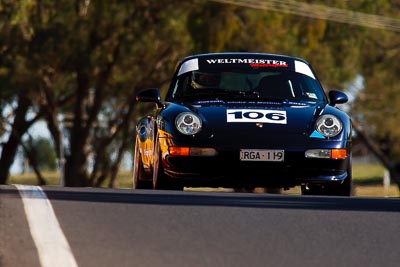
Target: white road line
[(52, 246)]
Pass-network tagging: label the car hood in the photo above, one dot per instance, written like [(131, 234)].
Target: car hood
[(268, 121)]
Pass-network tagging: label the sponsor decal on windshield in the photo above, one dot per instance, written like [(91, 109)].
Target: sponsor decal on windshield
[(300, 67), (256, 115), (251, 61)]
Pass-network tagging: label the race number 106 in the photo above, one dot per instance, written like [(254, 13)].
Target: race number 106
[(256, 115)]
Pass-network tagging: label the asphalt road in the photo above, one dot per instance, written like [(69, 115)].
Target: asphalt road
[(105, 227)]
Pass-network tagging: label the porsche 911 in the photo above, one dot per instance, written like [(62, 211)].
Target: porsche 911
[(244, 120)]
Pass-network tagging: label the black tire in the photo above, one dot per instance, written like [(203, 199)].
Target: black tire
[(140, 180), (160, 179), (344, 189)]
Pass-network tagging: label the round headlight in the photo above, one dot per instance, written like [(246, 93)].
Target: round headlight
[(188, 123), (329, 125)]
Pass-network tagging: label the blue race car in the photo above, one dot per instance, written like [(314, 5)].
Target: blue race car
[(244, 120)]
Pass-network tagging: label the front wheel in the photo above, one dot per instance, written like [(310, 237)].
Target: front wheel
[(343, 189), (160, 179), (140, 180)]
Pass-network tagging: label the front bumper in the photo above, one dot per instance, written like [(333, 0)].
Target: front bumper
[(227, 170)]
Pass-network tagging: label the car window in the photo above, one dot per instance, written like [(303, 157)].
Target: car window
[(257, 84)]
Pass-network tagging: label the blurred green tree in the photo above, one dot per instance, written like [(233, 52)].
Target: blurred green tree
[(84, 61)]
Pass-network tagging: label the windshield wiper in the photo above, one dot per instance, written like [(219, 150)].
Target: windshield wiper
[(251, 94), (217, 93)]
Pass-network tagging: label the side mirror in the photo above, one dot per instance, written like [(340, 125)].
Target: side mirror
[(337, 97), (149, 95)]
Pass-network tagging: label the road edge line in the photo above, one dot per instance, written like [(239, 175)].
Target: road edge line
[(50, 241)]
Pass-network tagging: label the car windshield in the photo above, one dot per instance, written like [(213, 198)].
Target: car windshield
[(240, 84)]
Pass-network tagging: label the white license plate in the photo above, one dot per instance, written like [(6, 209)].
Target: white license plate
[(261, 155)]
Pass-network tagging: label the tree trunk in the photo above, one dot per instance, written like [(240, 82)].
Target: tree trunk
[(393, 167), (19, 127), (76, 161)]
